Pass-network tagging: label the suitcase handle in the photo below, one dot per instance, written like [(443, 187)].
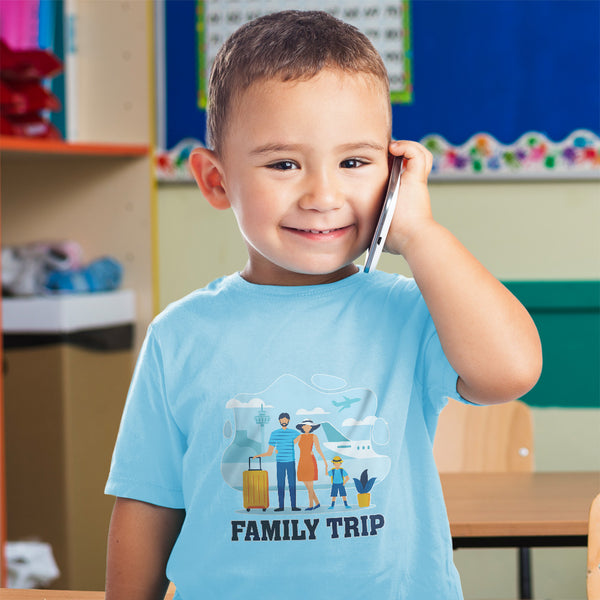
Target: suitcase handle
[(259, 464)]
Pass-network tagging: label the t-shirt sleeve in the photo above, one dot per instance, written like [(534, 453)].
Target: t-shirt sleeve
[(435, 373), (148, 456)]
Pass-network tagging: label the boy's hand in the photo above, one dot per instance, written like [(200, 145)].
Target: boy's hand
[(487, 335), (413, 210)]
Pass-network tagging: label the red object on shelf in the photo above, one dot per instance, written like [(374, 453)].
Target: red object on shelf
[(11, 100), (28, 64), (22, 97), (31, 125)]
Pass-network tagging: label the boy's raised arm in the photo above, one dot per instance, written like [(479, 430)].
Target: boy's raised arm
[(140, 540), (486, 333)]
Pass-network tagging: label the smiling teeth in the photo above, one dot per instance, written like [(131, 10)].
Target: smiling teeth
[(319, 231)]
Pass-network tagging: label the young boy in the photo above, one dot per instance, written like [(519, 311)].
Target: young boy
[(300, 128), (339, 479)]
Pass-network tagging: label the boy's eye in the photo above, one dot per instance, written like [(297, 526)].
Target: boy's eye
[(283, 165), (352, 163)]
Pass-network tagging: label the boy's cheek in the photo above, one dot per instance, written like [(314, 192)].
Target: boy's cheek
[(372, 218)]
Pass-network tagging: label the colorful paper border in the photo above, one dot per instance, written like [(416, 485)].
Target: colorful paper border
[(482, 157), (533, 155)]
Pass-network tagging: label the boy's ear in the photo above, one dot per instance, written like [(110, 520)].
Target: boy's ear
[(206, 168)]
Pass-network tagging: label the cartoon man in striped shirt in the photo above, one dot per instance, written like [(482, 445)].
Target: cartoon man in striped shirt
[(282, 442)]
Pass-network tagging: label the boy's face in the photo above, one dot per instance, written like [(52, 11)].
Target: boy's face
[(304, 167)]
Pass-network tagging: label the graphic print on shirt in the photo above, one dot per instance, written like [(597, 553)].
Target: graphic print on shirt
[(319, 446)]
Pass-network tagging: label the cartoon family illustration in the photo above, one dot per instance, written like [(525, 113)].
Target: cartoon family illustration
[(283, 441)]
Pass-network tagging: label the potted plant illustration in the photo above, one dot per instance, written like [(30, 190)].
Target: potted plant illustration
[(363, 487)]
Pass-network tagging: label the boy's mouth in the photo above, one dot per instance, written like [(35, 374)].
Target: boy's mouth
[(319, 232)]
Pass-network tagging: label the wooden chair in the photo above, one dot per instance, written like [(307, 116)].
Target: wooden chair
[(593, 557), (475, 439), (486, 439)]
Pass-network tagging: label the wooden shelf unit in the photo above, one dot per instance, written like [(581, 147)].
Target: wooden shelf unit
[(97, 190)]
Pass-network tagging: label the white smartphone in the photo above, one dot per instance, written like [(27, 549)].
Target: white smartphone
[(387, 213)]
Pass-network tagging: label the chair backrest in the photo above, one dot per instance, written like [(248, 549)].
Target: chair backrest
[(495, 438), (593, 557)]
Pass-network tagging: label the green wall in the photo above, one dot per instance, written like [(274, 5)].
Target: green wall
[(567, 315)]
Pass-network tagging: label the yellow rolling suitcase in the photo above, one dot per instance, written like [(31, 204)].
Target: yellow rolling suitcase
[(256, 487)]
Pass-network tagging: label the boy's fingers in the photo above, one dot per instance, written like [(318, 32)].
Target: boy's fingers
[(418, 159)]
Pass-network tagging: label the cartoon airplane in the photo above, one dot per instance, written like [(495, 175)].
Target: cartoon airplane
[(346, 403)]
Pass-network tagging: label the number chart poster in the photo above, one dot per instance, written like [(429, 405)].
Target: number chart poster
[(385, 23), (494, 88)]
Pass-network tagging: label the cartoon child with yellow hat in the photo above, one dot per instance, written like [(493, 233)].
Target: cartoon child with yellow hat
[(339, 478)]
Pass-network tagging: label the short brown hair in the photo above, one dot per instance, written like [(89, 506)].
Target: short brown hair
[(289, 45)]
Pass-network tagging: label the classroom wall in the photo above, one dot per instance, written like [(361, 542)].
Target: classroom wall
[(520, 231)]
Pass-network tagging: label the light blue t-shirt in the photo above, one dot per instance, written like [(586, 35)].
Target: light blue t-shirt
[(283, 441), (359, 357)]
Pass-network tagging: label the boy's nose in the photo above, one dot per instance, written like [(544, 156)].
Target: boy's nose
[(321, 193)]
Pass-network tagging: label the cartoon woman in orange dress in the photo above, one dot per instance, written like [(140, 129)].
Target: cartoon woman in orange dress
[(307, 471)]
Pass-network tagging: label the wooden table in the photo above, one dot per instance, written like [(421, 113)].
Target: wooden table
[(519, 509)]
